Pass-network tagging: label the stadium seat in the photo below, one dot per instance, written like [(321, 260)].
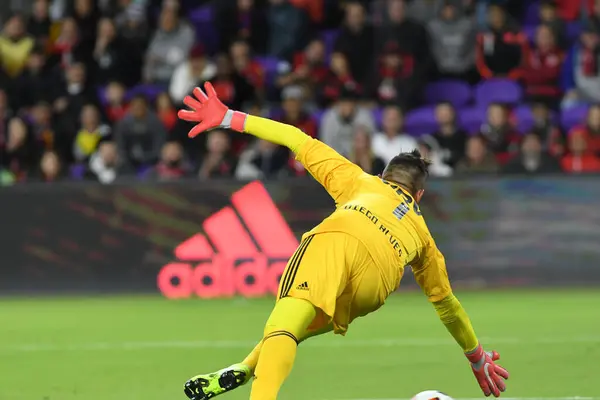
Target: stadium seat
[(573, 116), (532, 13), (471, 119), (317, 116), (206, 33), (456, 92), (150, 91), (420, 121), (497, 91), (329, 37), (271, 67), (524, 118), (573, 31), (378, 116), (529, 31)]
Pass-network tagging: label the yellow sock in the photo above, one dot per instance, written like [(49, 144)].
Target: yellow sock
[(290, 318), (252, 359)]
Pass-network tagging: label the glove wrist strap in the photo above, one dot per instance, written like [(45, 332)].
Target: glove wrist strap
[(235, 120), (476, 355)]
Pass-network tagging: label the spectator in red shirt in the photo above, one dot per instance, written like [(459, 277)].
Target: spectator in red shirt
[(231, 87), (116, 107), (580, 159), (247, 67), (502, 138), (395, 80), (165, 111), (570, 9), (171, 165), (541, 74), (502, 49), (309, 67), (339, 77), (591, 130)]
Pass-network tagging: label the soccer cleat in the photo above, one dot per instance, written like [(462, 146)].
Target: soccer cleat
[(203, 387)]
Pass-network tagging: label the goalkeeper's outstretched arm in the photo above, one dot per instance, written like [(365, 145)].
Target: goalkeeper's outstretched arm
[(432, 276)]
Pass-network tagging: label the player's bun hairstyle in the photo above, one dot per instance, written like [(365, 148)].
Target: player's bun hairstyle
[(408, 169)]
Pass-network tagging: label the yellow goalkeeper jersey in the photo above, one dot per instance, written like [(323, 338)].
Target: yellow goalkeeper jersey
[(382, 215)]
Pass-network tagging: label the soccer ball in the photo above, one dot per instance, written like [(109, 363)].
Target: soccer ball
[(431, 395)]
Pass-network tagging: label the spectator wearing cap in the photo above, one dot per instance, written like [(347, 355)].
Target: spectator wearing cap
[(139, 135), (395, 79), (500, 134), (362, 152), (39, 23), (218, 161), (581, 70), (549, 17), (355, 41), (338, 77), (392, 140), (409, 36), (244, 20), (169, 46), (590, 130), (541, 73), (450, 138), (340, 121), (15, 46), (287, 29), (191, 73), (245, 66), (532, 159), (580, 159), (430, 150), (111, 61), (478, 158), (453, 39), (501, 50)]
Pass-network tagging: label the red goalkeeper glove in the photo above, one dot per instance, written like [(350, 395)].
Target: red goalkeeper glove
[(489, 375), (209, 112)]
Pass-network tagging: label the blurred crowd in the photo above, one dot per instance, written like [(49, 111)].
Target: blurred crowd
[(89, 89)]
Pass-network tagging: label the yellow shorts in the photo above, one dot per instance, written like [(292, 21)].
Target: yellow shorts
[(335, 273)]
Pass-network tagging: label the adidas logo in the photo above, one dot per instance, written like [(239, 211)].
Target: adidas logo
[(302, 286), (244, 250)]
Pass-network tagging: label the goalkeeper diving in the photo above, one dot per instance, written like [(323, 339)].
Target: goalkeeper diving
[(346, 266)]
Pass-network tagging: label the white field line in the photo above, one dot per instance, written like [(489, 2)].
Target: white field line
[(479, 398), (315, 342)]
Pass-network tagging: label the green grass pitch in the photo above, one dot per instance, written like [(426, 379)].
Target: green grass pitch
[(144, 348)]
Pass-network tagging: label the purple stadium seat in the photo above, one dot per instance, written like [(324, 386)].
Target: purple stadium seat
[(329, 37), (498, 91), (523, 118), (150, 91), (378, 116), (420, 121), (317, 116), (532, 13), (529, 31), (471, 118), (573, 31), (271, 67), (77, 171), (456, 92), (202, 15), (573, 116), (101, 94)]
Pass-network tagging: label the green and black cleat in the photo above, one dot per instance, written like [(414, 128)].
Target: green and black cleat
[(204, 387)]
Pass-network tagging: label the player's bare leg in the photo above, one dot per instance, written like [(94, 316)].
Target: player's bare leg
[(207, 386)]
